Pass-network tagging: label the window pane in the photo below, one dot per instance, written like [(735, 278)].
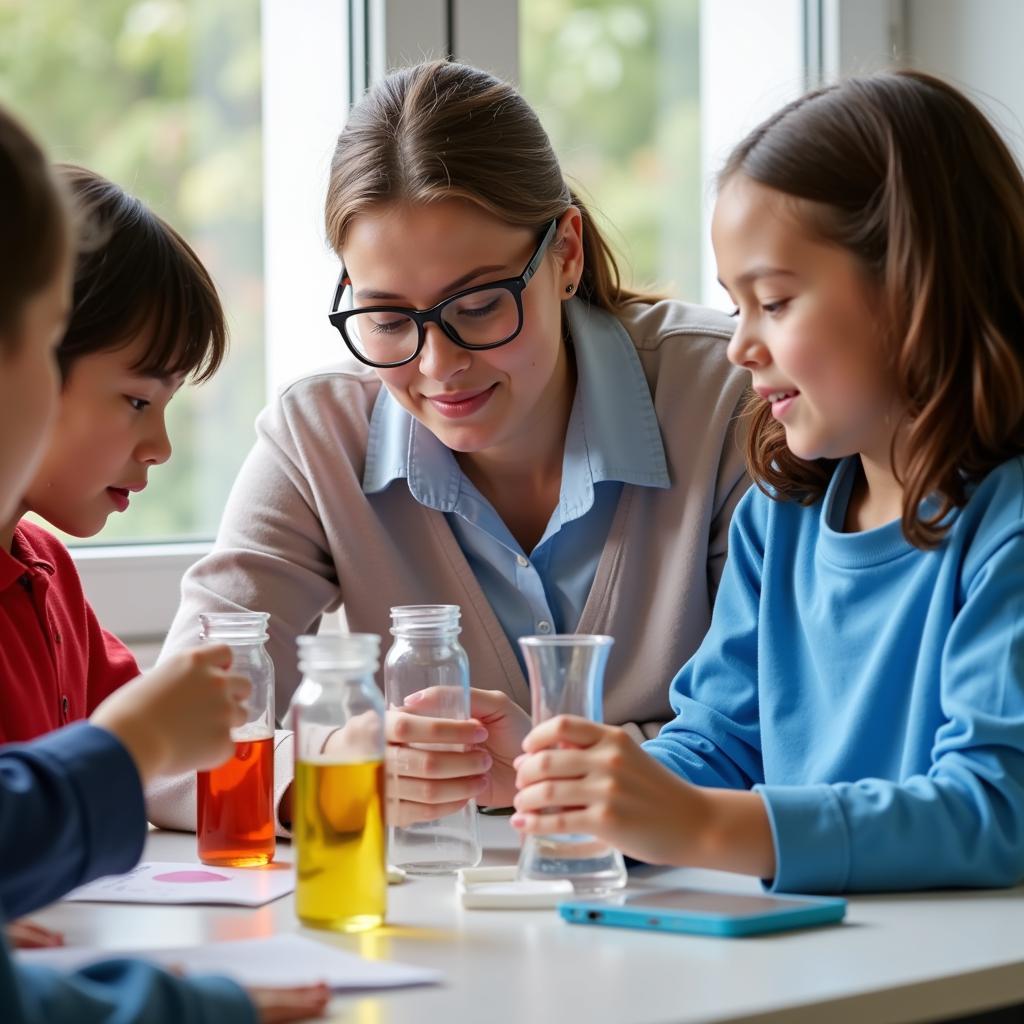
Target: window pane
[(616, 85), (163, 97)]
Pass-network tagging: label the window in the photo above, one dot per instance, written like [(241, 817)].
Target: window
[(617, 87), (164, 98)]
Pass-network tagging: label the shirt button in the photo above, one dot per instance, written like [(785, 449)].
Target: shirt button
[(543, 626), (65, 705), (522, 561), (56, 637)]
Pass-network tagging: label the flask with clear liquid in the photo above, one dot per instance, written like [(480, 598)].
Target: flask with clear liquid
[(235, 819), (566, 673), (426, 654), (339, 791)]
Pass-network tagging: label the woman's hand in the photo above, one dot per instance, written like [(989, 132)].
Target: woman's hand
[(579, 776), (474, 760)]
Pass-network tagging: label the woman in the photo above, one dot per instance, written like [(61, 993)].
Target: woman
[(527, 439)]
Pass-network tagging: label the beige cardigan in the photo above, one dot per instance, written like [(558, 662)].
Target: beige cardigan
[(299, 537)]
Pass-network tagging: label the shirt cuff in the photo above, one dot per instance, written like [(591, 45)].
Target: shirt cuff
[(812, 849)]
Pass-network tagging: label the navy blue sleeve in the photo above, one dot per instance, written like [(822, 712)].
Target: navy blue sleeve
[(71, 809), (117, 992)]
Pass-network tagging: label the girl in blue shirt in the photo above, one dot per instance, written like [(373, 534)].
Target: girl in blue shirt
[(854, 719)]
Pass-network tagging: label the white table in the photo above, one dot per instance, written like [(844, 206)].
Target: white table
[(896, 958)]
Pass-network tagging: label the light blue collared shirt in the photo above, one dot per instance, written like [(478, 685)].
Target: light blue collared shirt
[(612, 439)]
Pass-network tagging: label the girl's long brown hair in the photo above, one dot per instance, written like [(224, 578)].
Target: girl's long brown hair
[(909, 176), (442, 130)]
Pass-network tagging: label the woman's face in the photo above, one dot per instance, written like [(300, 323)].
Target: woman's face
[(503, 399)]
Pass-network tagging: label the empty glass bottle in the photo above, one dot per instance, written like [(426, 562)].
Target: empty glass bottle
[(426, 654), (339, 791), (566, 674), (235, 820)]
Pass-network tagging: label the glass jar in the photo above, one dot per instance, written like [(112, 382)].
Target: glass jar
[(338, 796), (426, 654), (235, 819)]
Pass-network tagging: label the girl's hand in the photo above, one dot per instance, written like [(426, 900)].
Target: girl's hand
[(431, 783), (29, 935), (579, 776)]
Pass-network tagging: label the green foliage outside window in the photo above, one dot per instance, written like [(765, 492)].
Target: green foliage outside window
[(163, 97)]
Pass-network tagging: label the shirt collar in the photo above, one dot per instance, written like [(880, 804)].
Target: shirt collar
[(23, 556), (613, 430)]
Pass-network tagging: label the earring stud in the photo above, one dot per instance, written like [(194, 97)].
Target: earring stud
[(569, 288)]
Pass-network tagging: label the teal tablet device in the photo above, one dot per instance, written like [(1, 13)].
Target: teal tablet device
[(700, 912)]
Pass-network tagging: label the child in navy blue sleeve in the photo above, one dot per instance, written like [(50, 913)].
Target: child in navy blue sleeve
[(854, 719), (71, 804)]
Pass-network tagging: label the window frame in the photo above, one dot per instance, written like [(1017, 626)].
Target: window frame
[(346, 43)]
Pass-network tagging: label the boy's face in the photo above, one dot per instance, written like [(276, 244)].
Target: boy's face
[(29, 388), (109, 431)]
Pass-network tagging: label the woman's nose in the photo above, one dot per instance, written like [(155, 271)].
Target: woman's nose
[(441, 359)]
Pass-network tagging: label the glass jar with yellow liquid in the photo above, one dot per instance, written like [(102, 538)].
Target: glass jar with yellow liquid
[(338, 797)]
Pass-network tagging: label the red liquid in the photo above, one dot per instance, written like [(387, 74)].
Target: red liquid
[(235, 807)]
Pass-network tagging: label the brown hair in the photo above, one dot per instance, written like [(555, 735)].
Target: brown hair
[(909, 176), (138, 274), (36, 233), (443, 130)]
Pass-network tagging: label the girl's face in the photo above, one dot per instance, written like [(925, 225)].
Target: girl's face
[(808, 329), (29, 387), (508, 399), (109, 433)]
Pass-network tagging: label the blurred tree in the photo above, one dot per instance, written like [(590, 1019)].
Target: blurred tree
[(616, 85), (163, 97)]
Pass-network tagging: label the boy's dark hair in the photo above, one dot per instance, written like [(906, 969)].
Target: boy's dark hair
[(36, 233), (907, 174), (138, 274)]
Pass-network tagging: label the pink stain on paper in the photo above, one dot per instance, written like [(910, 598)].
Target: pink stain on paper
[(191, 876)]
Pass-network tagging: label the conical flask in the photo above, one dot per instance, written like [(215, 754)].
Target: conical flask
[(566, 673)]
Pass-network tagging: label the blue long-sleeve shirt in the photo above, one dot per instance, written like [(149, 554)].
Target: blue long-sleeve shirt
[(872, 693), (71, 809)]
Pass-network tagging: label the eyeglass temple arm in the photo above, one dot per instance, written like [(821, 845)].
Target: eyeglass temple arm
[(342, 282), (531, 267)]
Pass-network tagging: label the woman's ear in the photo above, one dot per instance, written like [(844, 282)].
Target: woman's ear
[(568, 251)]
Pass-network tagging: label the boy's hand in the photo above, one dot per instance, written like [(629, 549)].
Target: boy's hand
[(178, 717), (281, 1005), (429, 784), (29, 935), (579, 776)]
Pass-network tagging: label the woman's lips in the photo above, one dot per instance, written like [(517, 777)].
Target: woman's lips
[(461, 403)]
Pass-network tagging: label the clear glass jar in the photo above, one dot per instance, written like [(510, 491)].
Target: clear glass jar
[(235, 819), (338, 796), (426, 653)]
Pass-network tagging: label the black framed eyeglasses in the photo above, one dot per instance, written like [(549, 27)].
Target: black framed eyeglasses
[(484, 316)]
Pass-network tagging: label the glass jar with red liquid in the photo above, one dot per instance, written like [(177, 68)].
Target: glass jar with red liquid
[(235, 802)]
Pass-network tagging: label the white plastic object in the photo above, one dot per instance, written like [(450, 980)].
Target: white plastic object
[(395, 875), (501, 888)]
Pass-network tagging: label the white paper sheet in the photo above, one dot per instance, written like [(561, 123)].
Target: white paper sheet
[(279, 960), (170, 882)]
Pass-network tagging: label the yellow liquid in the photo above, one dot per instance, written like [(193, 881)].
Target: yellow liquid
[(340, 840)]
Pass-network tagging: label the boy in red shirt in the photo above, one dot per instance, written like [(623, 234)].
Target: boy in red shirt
[(145, 318)]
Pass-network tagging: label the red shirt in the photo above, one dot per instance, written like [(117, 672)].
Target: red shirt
[(56, 663)]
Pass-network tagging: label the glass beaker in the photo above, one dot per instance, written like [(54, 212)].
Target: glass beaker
[(566, 673), (235, 820), (426, 654), (339, 791)]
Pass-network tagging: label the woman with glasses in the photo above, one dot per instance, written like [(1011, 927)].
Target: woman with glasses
[(525, 437)]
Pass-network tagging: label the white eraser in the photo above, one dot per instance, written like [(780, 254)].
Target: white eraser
[(501, 889)]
